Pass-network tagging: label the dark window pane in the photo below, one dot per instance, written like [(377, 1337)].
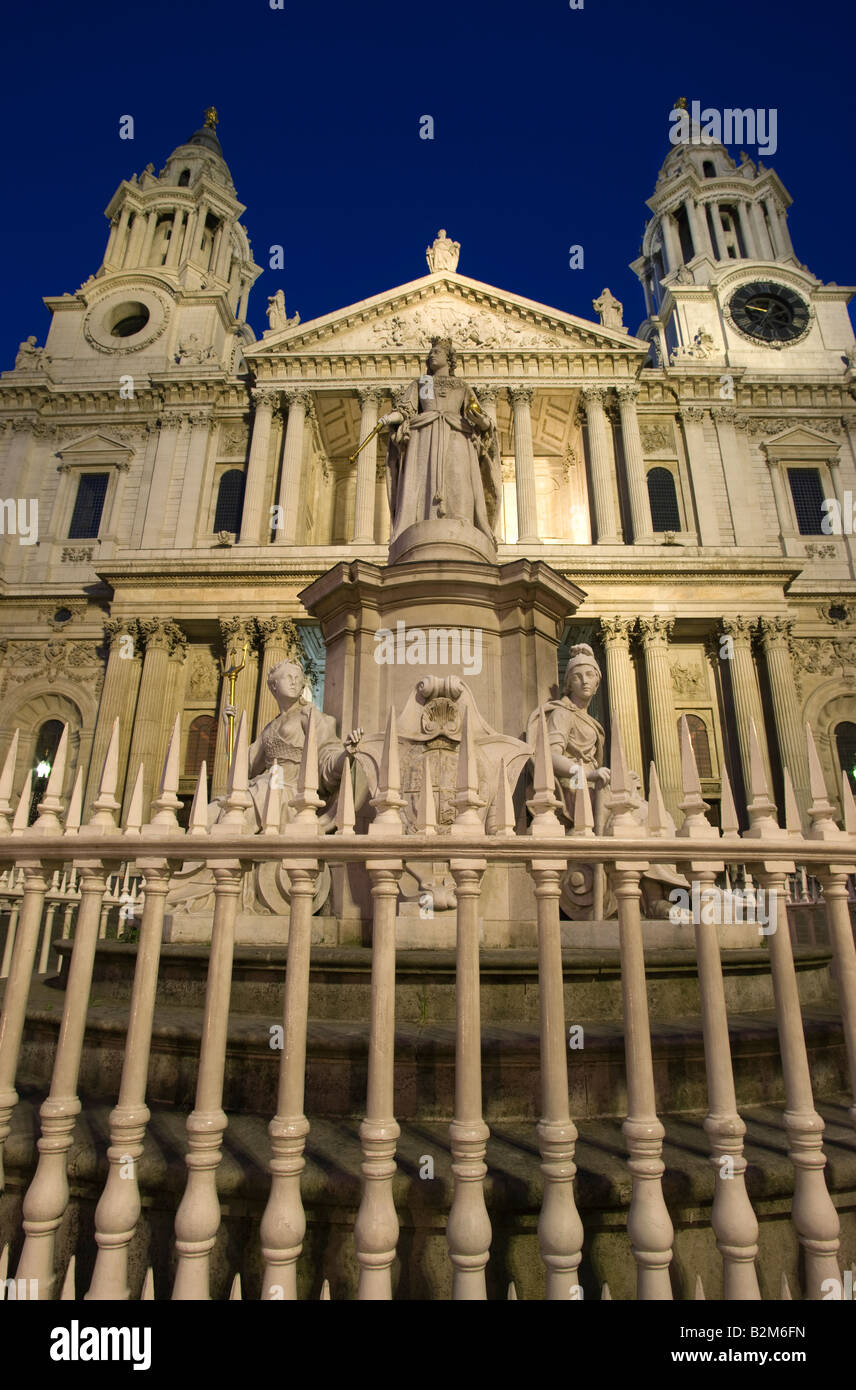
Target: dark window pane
[(664, 502), (230, 501), (88, 506), (201, 737), (700, 742), (845, 741), (807, 493)]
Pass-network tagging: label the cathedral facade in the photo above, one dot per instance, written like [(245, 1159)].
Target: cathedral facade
[(170, 485)]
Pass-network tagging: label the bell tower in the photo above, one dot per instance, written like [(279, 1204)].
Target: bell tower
[(721, 279), (174, 283)]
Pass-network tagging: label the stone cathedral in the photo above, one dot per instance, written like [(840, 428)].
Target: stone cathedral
[(170, 485)]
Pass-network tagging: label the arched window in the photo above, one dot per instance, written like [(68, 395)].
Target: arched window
[(230, 501), (47, 742), (201, 737), (700, 741), (184, 178), (845, 742), (664, 500)]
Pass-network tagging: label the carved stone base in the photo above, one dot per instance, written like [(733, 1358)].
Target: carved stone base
[(448, 539)]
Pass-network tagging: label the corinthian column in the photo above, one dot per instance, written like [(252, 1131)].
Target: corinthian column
[(266, 402), (634, 462), (118, 697), (664, 730), (602, 466), (746, 693), (236, 632), (621, 682), (279, 640), (699, 466), (364, 504), (292, 464), (154, 716), (524, 466), (776, 642)]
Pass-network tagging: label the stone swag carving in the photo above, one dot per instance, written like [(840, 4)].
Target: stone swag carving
[(577, 743)]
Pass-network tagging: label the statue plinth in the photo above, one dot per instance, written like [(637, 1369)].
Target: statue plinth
[(446, 538)]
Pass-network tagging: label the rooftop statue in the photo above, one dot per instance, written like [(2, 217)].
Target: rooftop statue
[(443, 254)]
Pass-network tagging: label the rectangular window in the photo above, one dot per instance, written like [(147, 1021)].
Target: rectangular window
[(88, 506), (807, 493)]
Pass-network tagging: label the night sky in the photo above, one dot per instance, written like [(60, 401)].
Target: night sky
[(550, 127)]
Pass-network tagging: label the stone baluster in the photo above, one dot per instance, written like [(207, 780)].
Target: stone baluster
[(602, 466), (664, 734), (560, 1230), (198, 1217), (621, 682), (284, 1222), (649, 1227), (634, 463), (776, 643), (732, 1217), (266, 407), (376, 1228), (813, 1212), (524, 466), (162, 638), (364, 504), (692, 417), (118, 696), (18, 992), (298, 399), (468, 1229), (746, 692)]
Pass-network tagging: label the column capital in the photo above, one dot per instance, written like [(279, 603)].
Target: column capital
[(520, 395), (776, 631), (266, 397), (593, 395), (237, 631), (116, 628), (627, 392), (172, 419), (160, 634), (740, 628), (617, 631), (692, 414), (278, 632), (297, 395), (487, 392), (655, 631), (724, 414), (368, 395)]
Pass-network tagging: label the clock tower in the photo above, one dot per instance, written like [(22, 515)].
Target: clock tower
[(722, 282)]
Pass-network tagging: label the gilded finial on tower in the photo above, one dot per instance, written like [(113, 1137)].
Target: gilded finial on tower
[(211, 117), (680, 104)]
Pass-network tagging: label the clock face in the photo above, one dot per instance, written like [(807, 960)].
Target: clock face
[(771, 313)]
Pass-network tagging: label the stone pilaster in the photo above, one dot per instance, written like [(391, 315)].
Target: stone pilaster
[(364, 503), (634, 462), (602, 466), (692, 417), (279, 640), (834, 463), (621, 683), (187, 521), (655, 634), (746, 694), (154, 715), (118, 697), (524, 466), (298, 399), (235, 633), (266, 402), (790, 731), (171, 422), (742, 498)]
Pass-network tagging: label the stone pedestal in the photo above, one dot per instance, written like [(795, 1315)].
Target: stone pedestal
[(496, 626)]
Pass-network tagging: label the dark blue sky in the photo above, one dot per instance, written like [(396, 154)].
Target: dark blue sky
[(550, 127)]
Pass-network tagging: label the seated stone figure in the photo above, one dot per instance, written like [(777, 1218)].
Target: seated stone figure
[(577, 745), (276, 753)]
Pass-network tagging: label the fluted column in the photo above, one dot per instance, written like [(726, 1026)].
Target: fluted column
[(698, 227), (664, 730), (602, 466), (746, 694), (235, 632), (524, 466), (634, 462), (175, 237), (154, 717), (748, 232), (790, 730), (151, 228), (671, 241), (118, 697), (279, 640), (363, 533), (699, 467), (265, 402), (292, 464), (621, 681)]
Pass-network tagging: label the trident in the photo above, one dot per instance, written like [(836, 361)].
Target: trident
[(232, 672), (368, 439)]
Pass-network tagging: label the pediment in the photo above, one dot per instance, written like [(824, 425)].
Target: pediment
[(93, 445), (476, 317), (800, 439)]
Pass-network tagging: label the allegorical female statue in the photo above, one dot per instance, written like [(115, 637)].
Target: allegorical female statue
[(276, 754), (577, 744), (442, 463)]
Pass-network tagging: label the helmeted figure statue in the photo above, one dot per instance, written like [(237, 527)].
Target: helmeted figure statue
[(442, 459), (577, 745)]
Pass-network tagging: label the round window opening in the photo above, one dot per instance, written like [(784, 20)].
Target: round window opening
[(838, 613), (62, 615), (128, 319)]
